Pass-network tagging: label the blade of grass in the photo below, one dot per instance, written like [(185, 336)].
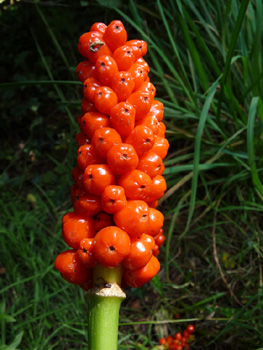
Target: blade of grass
[(176, 52), (59, 92), (256, 54), (235, 34), (194, 53), (53, 37), (161, 75), (202, 43), (40, 82), (180, 168), (237, 316), (250, 144), (201, 125)]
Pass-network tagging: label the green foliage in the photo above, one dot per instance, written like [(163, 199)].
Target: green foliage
[(206, 62)]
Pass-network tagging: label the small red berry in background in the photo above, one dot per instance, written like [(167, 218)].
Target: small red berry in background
[(190, 329), (162, 341), (179, 341), (118, 176)]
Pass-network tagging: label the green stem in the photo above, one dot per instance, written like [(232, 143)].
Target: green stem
[(104, 302)]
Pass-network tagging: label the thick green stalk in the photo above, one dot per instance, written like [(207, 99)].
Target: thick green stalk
[(104, 302)]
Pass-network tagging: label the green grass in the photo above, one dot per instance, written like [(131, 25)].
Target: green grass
[(206, 62)]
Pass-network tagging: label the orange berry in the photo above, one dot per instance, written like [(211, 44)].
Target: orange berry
[(89, 87), (115, 35), (139, 47), (157, 109), (85, 70), (161, 146), (92, 121), (122, 158), (105, 69), (142, 139), (156, 219), (85, 203), (151, 122), (141, 101), (136, 184), (124, 57), (161, 130), (159, 239), (156, 189), (102, 220), (133, 218), (123, 85), (170, 339), (103, 139), (98, 27), (91, 45), (97, 177), (149, 88), (150, 163), (113, 199), (139, 76), (87, 156), (76, 229), (140, 61), (111, 246), (140, 252), (139, 277), (162, 341), (122, 117), (156, 250), (71, 268), (104, 99), (85, 253)]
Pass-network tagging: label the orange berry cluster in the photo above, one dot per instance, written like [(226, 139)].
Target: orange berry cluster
[(118, 179), (179, 341)]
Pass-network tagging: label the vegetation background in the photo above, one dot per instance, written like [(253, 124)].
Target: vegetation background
[(206, 62)]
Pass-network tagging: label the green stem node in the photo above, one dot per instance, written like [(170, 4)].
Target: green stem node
[(104, 302)]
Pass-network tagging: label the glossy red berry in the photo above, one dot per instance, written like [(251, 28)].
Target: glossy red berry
[(190, 328), (113, 199), (111, 246), (142, 139), (102, 220), (105, 99), (122, 117), (97, 177), (115, 35), (98, 27), (139, 47), (124, 57), (140, 252), (92, 121), (103, 139), (133, 218), (91, 45), (105, 69), (85, 70), (123, 85), (122, 158), (139, 277), (71, 268)]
